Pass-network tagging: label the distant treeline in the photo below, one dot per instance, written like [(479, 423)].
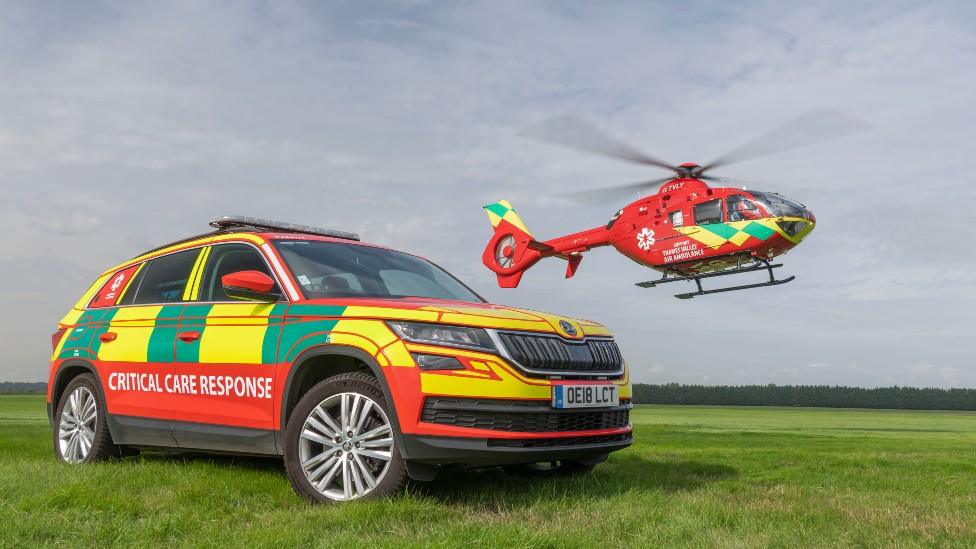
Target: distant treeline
[(903, 398), (22, 388)]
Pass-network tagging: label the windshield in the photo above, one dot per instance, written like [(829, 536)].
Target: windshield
[(331, 269), (780, 206)]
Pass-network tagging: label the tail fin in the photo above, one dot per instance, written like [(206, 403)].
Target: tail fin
[(511, 249), (503, 210)]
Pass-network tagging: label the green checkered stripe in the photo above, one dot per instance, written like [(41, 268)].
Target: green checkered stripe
[(727, 231)]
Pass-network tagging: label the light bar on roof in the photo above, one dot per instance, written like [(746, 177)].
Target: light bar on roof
[(235, 221)]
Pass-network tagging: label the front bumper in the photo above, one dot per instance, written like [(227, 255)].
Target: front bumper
[(488, 452), (493, 413)]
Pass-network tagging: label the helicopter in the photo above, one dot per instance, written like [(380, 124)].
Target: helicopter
[(684, 228)]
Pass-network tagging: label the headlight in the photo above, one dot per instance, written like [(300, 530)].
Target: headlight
[(443, 335)]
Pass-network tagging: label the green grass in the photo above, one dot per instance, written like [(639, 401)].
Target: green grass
[(697, 476)]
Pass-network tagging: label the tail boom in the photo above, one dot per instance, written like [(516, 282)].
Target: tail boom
[(512, 250)]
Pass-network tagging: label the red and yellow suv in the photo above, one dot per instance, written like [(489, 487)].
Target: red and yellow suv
[(359, 364)]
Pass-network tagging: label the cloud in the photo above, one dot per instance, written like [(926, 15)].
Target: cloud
[(920, 368)]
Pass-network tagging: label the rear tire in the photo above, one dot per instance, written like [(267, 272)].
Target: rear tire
[(80, 423), (340, 442)]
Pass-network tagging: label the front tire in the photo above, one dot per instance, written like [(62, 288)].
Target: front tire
[(340, 443), (81, 426)]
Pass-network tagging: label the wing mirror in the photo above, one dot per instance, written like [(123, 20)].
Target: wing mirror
[(249, 285)]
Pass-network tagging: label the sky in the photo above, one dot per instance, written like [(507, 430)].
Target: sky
[(125, 125)]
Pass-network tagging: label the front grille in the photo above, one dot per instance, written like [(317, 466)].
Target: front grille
[(525, 416), (544, 354), (560, 442)]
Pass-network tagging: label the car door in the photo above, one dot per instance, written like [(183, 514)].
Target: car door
[(135, 350), (227, 348)]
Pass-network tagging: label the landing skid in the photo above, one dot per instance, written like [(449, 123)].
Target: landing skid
[(759, 265)]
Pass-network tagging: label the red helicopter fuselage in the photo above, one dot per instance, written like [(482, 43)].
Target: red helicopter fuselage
[(686, 228)]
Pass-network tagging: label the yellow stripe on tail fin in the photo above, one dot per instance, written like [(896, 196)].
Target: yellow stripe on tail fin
[(504, 210)]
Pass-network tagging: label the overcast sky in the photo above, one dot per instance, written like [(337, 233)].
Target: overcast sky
[(126, 125)]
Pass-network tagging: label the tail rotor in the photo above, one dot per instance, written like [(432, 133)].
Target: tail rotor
[(511, 249), (505, 251)]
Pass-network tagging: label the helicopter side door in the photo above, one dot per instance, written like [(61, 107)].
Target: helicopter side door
[(677, 214), (678, 248), (703, 220)]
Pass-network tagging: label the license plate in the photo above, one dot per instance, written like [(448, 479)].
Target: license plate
[(585, 396)]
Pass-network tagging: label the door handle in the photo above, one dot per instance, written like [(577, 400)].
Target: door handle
[(108, 337), (189, 337)]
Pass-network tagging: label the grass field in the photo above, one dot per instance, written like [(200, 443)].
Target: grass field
[(697, 476)]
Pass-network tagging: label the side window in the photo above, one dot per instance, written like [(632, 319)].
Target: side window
[(164, 278), (677, 218), (708, 213), (225, 259), (741, 208)]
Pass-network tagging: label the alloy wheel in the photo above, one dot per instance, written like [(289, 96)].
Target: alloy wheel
[(346, 446), (76, 429)]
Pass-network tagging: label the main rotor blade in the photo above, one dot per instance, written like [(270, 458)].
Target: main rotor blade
[(571, 132), (814, 127), (599, 196)]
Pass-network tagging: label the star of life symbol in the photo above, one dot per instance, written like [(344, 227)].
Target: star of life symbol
[(117, 282), (645, 239)]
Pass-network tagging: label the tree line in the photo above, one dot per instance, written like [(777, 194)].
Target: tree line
[(22, 388), (827, 396)]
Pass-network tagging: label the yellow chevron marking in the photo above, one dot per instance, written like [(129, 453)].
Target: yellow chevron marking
[(489, 322), (133, 326), (707, 238), (354, 340), (71, 318), (191, 282), (82, 303), (389, 313), (508, 386), (195, 293), (234, 333), (510, 215), (249, 237), (738, 238), (374, 330)]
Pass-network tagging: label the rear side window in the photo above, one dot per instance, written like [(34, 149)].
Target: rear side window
[(225, 259), (165, 278), (116, 287), (708, 213)]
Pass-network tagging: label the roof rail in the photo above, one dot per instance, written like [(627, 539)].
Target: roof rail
[(230, 222)]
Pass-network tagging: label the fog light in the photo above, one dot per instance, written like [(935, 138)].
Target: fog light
[(437, 362)]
